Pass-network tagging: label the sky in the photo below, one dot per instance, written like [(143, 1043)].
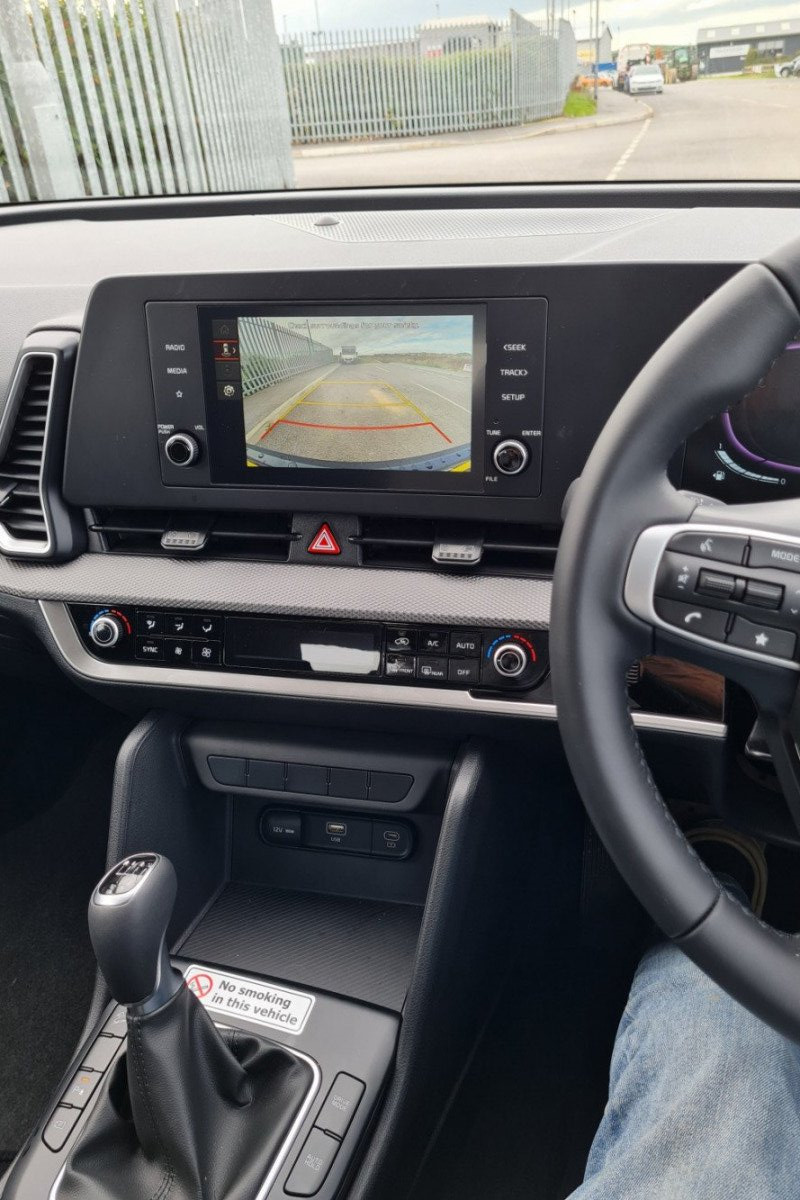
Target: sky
[(669, 21)]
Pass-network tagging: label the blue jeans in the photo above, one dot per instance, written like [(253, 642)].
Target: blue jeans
[(704, 1098)]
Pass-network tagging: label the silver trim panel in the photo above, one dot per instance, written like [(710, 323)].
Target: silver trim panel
[(80, 661), (640, 584), (8, 543)]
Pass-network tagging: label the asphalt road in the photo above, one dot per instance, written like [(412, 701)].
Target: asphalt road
[(369, 412), (706, 130)]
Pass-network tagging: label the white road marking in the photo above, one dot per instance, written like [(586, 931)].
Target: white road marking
[(433, 392), (623, 159), (420, 367)]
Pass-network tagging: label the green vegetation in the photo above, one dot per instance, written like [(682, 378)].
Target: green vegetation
[(580, 104)]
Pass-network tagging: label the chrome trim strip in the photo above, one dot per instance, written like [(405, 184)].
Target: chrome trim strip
[(79, 660), (8, 543), (288, 1142), (640, 584)]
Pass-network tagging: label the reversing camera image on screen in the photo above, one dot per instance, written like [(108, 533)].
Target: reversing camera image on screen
[(357, 392)]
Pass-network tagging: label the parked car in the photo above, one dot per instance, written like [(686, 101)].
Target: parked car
[(645, 77), (785, 70)]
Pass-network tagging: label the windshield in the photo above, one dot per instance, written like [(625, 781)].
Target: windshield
[(115, 98)]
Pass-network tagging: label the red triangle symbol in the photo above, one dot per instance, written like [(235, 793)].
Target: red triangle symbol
[(324, 542)]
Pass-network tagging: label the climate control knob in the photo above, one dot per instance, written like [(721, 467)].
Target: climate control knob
[(511, 457), (510, 660), (182, 449), (106, 630)]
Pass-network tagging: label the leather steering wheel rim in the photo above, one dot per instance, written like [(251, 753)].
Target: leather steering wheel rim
[(717, 356)]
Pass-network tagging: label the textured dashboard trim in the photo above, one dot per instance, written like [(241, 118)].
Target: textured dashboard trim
[(350, 593), (82, 663)]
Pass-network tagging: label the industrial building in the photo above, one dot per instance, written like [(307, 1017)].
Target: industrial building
[(724, 49)]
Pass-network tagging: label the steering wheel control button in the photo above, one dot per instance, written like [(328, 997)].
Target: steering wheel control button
[(711, 583), (313, 1164), (782, 555), (59, 1127), (705, 622), (677, 577), (763, 595), (511, 457), (340, 1105), (764, 639), (723, 547)]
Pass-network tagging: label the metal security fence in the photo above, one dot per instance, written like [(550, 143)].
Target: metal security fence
[(270, 352), (442, 77), (140, 97)]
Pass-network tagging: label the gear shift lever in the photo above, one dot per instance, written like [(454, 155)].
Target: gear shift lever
[(128, 916), (189, 1110)]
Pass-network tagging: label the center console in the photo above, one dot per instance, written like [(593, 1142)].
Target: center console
[(348, 978)]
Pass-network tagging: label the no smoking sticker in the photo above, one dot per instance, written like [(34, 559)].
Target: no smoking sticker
[(254, 999)]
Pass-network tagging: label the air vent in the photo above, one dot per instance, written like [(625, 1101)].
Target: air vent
[(23, 518), (260, 536), (507, 549)]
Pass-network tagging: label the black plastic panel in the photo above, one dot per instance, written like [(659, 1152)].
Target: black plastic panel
[(112, 450), (356, 948)]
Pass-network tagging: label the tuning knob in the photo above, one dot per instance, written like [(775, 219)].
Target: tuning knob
[(510, 457), (105, 630)]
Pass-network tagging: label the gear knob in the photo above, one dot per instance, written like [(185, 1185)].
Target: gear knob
[(129, 912)]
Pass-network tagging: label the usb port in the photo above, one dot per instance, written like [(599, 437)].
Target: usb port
[(336, 828)]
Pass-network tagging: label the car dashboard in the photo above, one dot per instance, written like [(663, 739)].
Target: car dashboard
[(374, 520)]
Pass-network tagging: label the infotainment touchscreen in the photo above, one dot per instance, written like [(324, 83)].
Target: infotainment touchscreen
[(353, 392)]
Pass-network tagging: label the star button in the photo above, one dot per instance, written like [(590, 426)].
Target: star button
[(762, 639)]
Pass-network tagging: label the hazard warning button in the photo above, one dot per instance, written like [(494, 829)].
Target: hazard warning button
[(324, 542)]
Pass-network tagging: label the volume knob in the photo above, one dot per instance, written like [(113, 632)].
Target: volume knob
[(182, 449), (106, 630)]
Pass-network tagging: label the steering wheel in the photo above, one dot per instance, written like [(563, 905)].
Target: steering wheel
[(626, 581)]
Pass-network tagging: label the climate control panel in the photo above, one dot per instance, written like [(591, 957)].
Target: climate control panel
[(425, 656)]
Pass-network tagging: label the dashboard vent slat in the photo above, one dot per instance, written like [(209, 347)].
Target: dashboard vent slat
[(257, 536), (22, 513), (507, 549)]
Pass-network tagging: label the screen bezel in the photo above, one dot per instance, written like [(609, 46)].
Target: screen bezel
[(226, 434)]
